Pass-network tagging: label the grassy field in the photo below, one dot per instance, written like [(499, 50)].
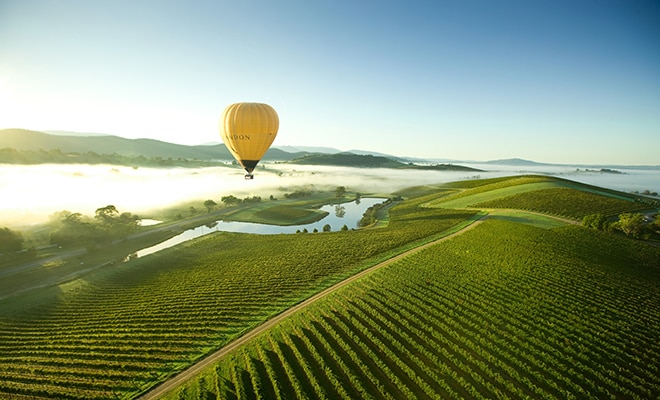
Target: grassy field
[(284, 212), (538, 309)]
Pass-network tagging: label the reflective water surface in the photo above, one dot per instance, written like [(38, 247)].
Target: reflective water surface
[(348, 214)]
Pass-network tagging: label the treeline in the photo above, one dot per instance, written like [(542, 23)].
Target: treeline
[(348, 160), (10, 155), (634, 225), (370, 215), (229, 201), (68, 229), (645, 192), (10, 240), (107, 225)]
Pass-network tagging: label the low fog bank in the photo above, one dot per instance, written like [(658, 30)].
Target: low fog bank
[(31, 193)]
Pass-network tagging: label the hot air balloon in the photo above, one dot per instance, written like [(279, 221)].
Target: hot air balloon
[(248, 130)]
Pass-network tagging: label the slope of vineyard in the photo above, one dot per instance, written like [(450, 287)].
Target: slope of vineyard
[(122, 329), (565, 202), (540, 194), (505, 310)]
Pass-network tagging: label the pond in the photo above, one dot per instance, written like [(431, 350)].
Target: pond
[(348, 214)]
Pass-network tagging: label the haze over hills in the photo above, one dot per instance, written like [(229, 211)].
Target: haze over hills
[(71, 133), (21, 139), (65, 141), (371, 161), (78, 142), (308, 149)]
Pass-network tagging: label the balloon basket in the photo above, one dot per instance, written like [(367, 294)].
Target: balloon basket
[(249, 176)]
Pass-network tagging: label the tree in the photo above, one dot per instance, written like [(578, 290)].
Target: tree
[(126, 223), (340, 191), (344, 228), (656, 223), (106, 214), (632, 224), (327, 228), (72, 229), (113, 225), (230, 200), (10, 240), (210, 205), (595, 221)]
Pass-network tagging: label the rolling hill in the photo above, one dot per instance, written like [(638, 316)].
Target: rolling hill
[(513, 308), (33, 141), (370, 161), (21, 139)]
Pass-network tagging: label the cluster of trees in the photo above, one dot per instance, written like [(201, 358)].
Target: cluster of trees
[(326, 228), (10, 240), (369, 216), (10, 155), (634, 225), (298, 194), (108, 224), (645, 192), (232, 200)]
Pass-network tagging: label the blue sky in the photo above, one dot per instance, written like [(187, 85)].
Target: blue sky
[(552, 81)]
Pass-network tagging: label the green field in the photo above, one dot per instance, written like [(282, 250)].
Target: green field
[(524, 217), (275, 212), (122, 329), (523, 305), (502, 311)]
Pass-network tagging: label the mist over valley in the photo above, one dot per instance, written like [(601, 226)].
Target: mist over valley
[(35, 184), (31, 193)]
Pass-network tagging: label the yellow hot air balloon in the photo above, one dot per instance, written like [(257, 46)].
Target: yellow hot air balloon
[(248, 130)]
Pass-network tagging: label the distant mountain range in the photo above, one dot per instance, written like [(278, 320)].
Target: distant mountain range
[(515, 161), (33, 141), (76, 142), (21, 139), (71, 133), (371, 161)]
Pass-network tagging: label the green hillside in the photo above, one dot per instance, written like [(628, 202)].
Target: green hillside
[(543, 194), (370, 161), (504, 310), (117, 331)]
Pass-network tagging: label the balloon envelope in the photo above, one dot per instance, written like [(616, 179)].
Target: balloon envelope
[(248, 130)]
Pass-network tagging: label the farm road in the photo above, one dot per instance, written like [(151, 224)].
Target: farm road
[(173, 382)]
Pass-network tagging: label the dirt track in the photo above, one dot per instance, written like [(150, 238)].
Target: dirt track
[(173, 382)]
